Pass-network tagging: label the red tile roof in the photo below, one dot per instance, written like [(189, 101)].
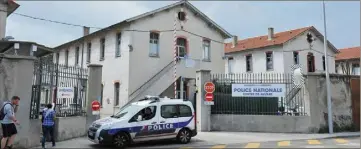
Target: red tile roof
[(348, 53), (262, 41)]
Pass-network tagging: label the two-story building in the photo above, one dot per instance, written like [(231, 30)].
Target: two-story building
[(137, 54), (278, 52), (348, 61)]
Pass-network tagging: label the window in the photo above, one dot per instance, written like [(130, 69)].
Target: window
[(66, 57), (181, 47), (89, 52), (356, 69), (324, 63), (181, 16), (77, 56), (336, 68), (169, 111), (310, 62), (57, 57), (249, 63), (147, 113), (118, 43), (154, 44), (101, 94), (295, 58), (269, 61), (116, 93), (230, 64), (185, 111), (102, 48), (206, 50)]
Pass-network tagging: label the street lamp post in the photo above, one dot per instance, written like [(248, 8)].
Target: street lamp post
[(328, 90)]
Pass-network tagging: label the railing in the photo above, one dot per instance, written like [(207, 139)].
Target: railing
[(47, 77), (147, 84), (291, 104)]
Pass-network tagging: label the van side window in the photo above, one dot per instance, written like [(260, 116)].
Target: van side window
[(169, 111), (147, 113), (185, 111)]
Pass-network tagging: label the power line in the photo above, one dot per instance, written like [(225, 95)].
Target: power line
[(58, 22)]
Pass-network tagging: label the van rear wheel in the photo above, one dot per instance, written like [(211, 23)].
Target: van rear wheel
[(121, 140), (184, 136)]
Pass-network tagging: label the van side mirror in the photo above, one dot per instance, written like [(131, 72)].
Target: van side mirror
[(139, 118)]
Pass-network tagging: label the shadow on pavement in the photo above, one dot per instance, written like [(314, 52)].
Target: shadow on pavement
[(147, 144)]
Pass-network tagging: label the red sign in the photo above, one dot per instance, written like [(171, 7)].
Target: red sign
[(209, 96), (95, 105), (209, 87)]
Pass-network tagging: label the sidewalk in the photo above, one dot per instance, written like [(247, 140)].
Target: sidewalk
[(246, 137)]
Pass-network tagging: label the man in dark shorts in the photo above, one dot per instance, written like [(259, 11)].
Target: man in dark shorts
[(9, 121)]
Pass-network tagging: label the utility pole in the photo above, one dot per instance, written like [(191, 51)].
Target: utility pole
[(328, 90)]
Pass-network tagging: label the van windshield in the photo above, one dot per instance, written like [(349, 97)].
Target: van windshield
[(122, 112)]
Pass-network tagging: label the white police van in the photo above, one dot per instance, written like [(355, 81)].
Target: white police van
[(152, 118)]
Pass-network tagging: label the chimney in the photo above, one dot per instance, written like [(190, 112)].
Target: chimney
[(86, 30), (270, 33), (235, 41)]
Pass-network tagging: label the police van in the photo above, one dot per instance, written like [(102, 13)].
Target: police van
[(152, 118)]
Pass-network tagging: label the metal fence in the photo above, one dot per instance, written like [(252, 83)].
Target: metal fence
[(291, 104), (48, 76)]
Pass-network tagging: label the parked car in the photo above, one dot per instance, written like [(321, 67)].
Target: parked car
[(70, 110)]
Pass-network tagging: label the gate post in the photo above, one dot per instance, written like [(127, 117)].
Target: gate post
[(203, 111), (93, 91)]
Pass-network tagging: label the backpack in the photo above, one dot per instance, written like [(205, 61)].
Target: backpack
[(2, 114)]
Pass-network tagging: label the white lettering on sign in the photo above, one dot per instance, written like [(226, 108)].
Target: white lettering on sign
[(258, 90), (65, 92), (160, 127)]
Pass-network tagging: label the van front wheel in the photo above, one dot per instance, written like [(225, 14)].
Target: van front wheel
[(184, 136), (121, 140)]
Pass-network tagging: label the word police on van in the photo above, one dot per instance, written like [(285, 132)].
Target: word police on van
[(152, 118)]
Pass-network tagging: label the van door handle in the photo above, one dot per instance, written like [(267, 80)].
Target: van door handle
[(154, 122), (162, 121)]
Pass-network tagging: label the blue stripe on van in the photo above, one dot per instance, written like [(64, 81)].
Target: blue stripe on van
[(138, 129)]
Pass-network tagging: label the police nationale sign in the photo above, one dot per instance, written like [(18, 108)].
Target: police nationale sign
[(258, 90), (65, 92)]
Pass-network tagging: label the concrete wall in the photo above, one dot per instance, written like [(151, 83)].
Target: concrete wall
[(70, 127), (260, 123), (16, 74), (340, 96)]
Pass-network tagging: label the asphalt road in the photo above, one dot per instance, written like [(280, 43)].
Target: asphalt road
[(353, 142)]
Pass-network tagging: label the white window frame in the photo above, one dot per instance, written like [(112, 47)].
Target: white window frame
[(116, 93), (251, 63), (230, 63), (77, 51), (181, 47), (66, 57), (206, 50), (296, 60), (355, 68), (269, 59), (154, 41), (118, 42), (89, 51)]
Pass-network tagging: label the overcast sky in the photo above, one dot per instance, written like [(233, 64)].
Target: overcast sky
[(241, 18)]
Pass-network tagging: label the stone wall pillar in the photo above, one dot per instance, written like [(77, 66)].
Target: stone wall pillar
[(203, 111), (93, 91)]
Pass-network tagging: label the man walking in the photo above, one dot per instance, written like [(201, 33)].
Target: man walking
[(8, 122), (48, 121)]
